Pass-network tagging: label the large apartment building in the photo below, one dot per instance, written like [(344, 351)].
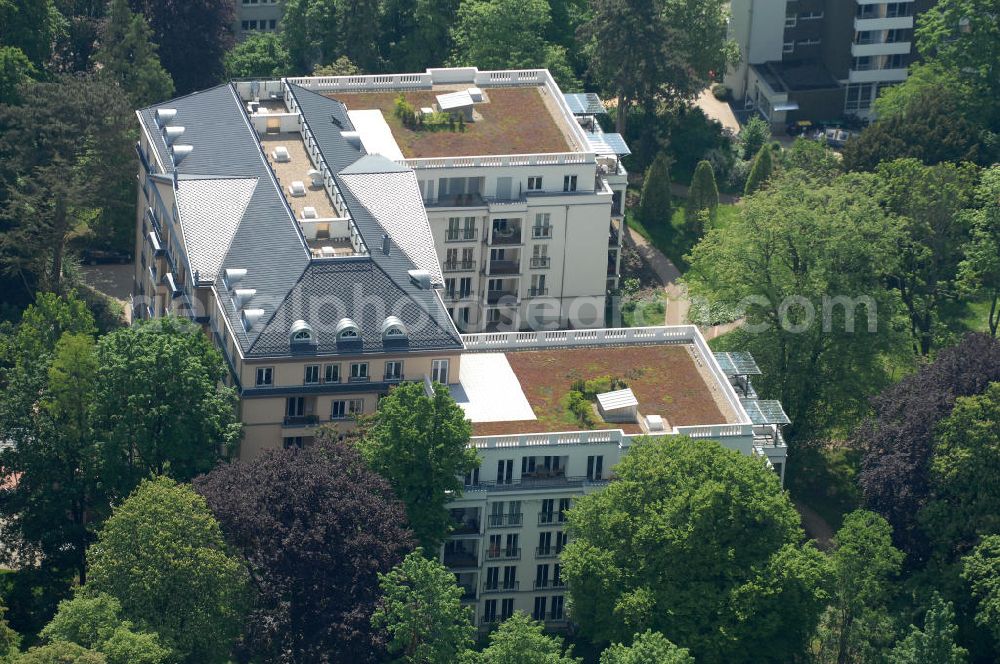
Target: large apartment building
[(272, 215), (257, 16), (819, 60)]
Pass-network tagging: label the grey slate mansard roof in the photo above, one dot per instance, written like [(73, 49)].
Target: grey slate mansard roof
[(269, 245)]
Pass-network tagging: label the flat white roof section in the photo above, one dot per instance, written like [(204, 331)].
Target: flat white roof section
[(454, 100), (375, 133), (617, 399), (489, 391)]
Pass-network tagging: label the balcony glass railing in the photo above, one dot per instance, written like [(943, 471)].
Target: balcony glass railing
[(506, 236), (546, 518), (500, 587), (495, 296), (461, 558), (505, 520), (300, 420), (461, 234), (458, 266), (503, 553), (537, 292), (539, 262)]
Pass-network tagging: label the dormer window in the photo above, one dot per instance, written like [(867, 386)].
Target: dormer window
[(301, 333), (393, 329), (348, 330)]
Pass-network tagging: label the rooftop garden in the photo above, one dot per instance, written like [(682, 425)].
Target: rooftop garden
[(513, 121)]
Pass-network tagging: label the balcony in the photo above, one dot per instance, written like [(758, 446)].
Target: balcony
[(876, 75), (540, 262), (506, 236), (541, 232), (510, 587), (291, 421), (547, 552), (473, 199), (613, 237), (505, 520), (458, 266), (393, 378), (461, 235), (358, 379), (504, 267), (465, 522), (461, 558), (503, 553), (468, 592), (554, 618), (549, 584), (550, 518), (457, 295), (537, 292), (534, 483), (495, 296)]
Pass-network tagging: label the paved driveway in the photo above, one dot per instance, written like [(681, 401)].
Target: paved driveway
[(112, 279)]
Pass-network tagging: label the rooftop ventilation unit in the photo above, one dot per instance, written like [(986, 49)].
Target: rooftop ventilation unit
[(386, 244), (243, 295), (171, 134), (421, 279), (233, 276), (164, 116), (250, 317), (180, 152)]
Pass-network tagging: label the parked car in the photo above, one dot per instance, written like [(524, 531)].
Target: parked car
[(97, 256), (837, 138)]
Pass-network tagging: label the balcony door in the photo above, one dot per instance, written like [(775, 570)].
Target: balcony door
[(503, 188)]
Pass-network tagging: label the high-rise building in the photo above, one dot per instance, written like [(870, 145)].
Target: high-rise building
[(819, 59)]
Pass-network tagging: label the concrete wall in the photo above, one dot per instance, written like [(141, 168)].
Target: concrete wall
[(757, 26)]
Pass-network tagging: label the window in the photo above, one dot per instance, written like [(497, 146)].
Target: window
[(569, 183), (506, 608), (312, 374), (338, 410), (472, 477), (490, 611), (492, 578), (394, 370), (465, 289), (510, 577), (359, 371), (595, 467), (788, 47), (439, 371), (347, 329), (505, 471), (557, 607), (331, 373), (810, 16), (295, 406), (538, 285), (355, 407), (790, 21), (542, 228), (245, 25), (265, 376), (272, 24), (393, 328), (535, 183), (809, 42), (454, 228), (449, 287), (292, 442), (539, 611)]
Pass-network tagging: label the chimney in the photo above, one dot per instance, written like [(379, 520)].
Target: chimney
[(386, 244)]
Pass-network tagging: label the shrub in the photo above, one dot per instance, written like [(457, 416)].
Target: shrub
[(580, 407), (754, 135), (591, 388), (720, 91)]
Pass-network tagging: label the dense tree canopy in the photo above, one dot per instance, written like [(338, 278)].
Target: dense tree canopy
[(692, 540), (316, 527), (421, 611), (260, 55), (521, 640), (979, 272), (804, 264), (646, 648), (981, 570), (897, 441), (319, 31), (935, 642), (193, 36), (162, 556), (419, 444), (159, 405), (128, 57)]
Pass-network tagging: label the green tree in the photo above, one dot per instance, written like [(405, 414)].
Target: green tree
[(935, 642), (642, 51), (342, 66), (94, 621), (67, 170), (929, 130), (699, 542), (964, 37), (926, 202), (419, 443), (857, 626), (128, 57), (702, 196), (760, 171), (806, 262), (260, 55), (979, 272), (15, 70), (981, 570), (30, 26), (655, 207), (420, 32), (508, 34), (421, 610), (905, 98), (318, 31), (159, 406), (813, 157), (162, 556), (965, 498), (61, 652), (193, 37), (754, 135), (646, 648), (521, 640), (9, 639)]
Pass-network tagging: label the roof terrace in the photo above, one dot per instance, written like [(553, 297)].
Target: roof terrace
[(515, 391), (517, 120)]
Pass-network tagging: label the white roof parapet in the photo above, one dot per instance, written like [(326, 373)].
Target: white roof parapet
[(500, 341)]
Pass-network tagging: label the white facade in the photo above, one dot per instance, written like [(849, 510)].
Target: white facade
[(758, 28)]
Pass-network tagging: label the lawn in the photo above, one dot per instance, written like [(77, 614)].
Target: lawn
[(672, 240), (514, 121), (644, 311)]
